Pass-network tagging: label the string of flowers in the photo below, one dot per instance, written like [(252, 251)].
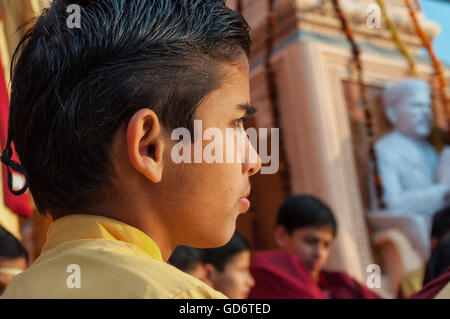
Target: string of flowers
[(273, 91), (395, 35), (438, 137), (427, 43), (272, 87), (364, 101)]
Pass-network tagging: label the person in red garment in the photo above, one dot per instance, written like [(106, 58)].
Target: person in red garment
[(304, 233)]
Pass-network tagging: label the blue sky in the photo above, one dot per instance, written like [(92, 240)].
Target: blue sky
[(439, 11)]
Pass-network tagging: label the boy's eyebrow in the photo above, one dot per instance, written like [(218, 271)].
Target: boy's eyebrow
[(249, 109)]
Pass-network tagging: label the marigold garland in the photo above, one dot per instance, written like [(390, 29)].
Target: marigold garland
[(363, 92), (273, 91), (427, 43), (272, 88), (395, 35)]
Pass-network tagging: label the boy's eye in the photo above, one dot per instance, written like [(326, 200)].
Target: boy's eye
[(240, 122)]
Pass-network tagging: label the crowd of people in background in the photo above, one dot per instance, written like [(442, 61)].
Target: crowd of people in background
[(304, 234)]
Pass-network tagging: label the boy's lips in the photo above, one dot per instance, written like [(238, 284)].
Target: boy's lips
[(245, 202)]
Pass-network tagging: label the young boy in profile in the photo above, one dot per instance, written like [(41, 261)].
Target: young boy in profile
[(91, 115)]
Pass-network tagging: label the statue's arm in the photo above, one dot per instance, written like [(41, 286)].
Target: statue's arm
[(420, 201), (443, 169)]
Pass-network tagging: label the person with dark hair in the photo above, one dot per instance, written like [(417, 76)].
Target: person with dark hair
[(441, 226), (305, 231), (93, 115), (13, 258), (436, 277), (189, 260), (414, 281), (437, 273), (439, 261), (228, 267)]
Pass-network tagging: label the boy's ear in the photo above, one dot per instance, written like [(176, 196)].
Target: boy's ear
[(145, 145), (281, 237)]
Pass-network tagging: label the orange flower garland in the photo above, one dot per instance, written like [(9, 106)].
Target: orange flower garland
[(395, 35), (272, 87), (363, 92), (434, 59), (273, 91)]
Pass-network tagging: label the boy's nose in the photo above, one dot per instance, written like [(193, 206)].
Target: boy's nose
[(252, 162), (255, 168)]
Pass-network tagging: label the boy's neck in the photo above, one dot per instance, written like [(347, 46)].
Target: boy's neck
[(147, 222)]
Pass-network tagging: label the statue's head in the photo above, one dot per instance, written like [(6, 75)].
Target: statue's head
[(408, 107)]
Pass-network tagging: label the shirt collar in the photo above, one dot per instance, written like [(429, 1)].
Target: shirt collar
[(77, 226)]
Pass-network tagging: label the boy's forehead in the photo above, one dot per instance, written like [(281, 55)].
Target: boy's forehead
[(239, 71), (233, 94)]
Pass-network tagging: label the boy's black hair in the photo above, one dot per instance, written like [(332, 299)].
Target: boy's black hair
[(441, 223), (11, 247), (185, 258), (301, 211), (72, 89), (219, 257), (439, 260)]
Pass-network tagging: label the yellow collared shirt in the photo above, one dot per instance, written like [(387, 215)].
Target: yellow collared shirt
[(88, 256)]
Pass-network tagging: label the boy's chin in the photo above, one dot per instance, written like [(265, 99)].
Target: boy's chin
[(217, 239), (222, 238)]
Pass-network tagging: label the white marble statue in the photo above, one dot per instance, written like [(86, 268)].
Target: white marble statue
[(408, 164)]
